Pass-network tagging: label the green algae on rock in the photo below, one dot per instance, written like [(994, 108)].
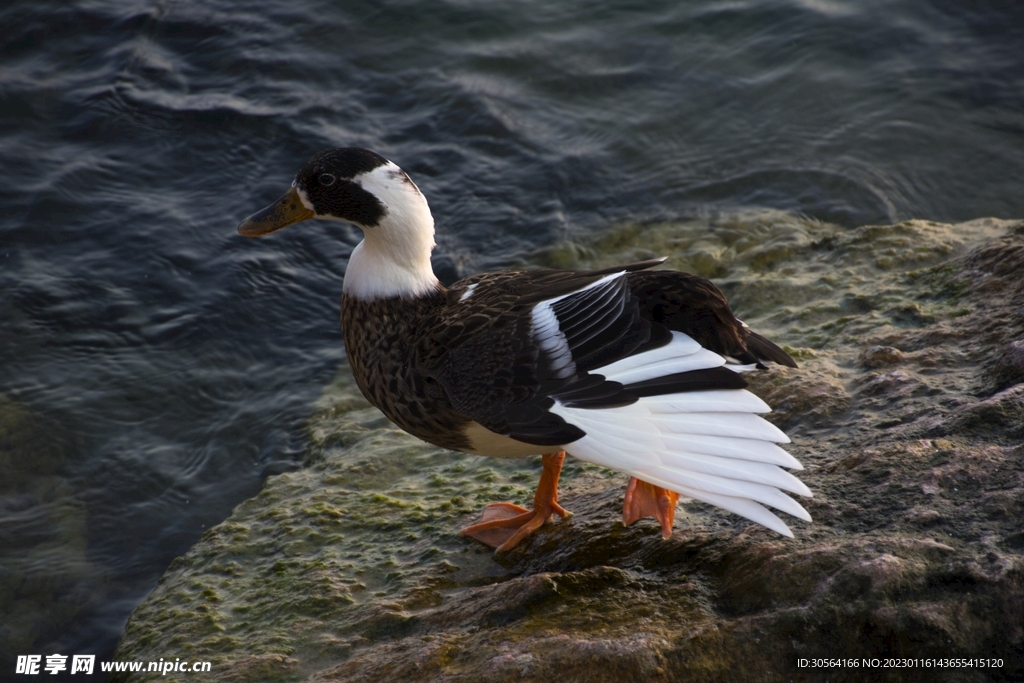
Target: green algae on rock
[(328, 556), (905, 411)]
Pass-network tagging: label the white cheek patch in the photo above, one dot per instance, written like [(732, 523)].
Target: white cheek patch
[(304, 198)]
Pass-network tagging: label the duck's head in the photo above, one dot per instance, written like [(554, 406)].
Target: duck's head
[(361, 187), (347, 184)]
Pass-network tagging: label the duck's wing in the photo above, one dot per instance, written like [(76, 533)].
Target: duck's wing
[(590, 362), (510, 345), (694, 306)]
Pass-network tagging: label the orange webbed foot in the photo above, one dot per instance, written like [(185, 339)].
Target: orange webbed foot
[(504, 525), (647, 500)]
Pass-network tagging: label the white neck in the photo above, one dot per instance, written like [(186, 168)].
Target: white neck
[(394, 257)]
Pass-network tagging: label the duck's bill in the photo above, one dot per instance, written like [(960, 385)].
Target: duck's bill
[(282, 213)]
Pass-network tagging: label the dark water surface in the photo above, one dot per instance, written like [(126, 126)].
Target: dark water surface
[(155, 366)]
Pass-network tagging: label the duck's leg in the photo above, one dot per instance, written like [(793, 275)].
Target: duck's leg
[(505, 524), (647, 500)]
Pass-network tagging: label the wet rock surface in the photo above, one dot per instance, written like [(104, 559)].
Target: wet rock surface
[(907, 412)]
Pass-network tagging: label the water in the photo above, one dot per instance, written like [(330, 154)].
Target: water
[(155, 367)]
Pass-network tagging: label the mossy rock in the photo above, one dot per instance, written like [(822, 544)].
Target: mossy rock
[(351, 570)]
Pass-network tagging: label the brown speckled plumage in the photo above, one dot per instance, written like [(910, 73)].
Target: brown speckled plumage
[(378, 341)]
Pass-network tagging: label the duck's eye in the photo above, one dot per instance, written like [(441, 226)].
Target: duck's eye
[(327, 179)]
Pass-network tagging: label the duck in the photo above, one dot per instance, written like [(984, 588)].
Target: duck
[(633, 368)]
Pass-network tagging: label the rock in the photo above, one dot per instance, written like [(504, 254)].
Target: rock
[(260, 668), (1008, 369), (894, 383), (1002, 413), (903, 413), (923, 516), (880, 356)]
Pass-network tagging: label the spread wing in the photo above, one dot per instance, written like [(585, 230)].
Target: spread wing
[(633, 370), (511, 345)]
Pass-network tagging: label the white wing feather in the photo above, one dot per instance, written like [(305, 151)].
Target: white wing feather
[(708, 445)]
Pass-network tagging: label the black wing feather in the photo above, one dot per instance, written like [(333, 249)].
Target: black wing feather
[(484, 354)]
